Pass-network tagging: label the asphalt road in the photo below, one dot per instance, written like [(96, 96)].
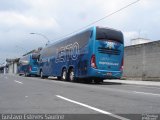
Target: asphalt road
[(20, 94)]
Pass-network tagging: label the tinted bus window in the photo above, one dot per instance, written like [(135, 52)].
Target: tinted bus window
[(109, 34), (81, 38)]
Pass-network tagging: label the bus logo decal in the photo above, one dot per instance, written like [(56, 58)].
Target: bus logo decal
[(110, 45), (68, 52), (75, 51)]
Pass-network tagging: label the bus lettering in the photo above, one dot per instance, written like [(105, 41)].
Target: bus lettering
[(62, 54), (68, 52), (75, 51)]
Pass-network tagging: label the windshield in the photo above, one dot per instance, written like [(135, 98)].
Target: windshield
[(109, 34)]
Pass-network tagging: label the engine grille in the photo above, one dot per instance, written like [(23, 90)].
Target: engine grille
[(109, 51)]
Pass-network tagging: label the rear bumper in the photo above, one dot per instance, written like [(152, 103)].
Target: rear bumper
[(21, 73), (29, 73), (33, 72), (105, 74)]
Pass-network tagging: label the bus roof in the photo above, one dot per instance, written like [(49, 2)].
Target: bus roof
[(90, 28)]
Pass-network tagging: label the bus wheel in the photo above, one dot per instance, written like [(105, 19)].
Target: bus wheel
[(59, 77), (41, 74), (71, 75), (98, 81), (64, 75), (26, 74), (87, 80)]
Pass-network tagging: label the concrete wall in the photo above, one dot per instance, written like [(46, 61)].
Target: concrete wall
[(142, 61), (12, 68), (15, 68)]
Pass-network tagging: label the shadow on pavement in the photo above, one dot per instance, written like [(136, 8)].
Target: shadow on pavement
[(111, 83), (84, 82)]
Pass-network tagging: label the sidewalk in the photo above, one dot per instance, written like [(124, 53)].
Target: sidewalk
[(135, 82)]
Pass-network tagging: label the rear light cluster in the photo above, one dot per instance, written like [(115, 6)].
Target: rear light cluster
[(93, 61), (122, 63), (30, 68)]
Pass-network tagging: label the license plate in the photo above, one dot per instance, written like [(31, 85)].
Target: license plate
[(109, 74)]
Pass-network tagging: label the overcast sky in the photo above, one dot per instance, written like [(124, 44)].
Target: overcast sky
[(55, 18)]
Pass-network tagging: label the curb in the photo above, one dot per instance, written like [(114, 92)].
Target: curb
[(144, 83)]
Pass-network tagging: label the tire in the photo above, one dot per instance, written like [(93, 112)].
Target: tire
[(71, 75), (25, 74), (59, 77), (98, 81), (88, 80), (41, 75), (64, 75)]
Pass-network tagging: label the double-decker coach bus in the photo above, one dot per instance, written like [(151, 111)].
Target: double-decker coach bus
[(94, 54), (28, 64)]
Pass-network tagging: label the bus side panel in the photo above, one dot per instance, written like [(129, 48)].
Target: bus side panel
[(82, 64), (45, 65), (85, 61), (71, 53)]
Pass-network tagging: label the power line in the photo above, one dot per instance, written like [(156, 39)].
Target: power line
[(99, 19)]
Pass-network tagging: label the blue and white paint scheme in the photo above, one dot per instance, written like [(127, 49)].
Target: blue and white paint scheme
[(96, 53), (28, 64)]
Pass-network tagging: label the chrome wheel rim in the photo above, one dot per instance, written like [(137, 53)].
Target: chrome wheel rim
[(71, 76), (64, 75), (41, 74)]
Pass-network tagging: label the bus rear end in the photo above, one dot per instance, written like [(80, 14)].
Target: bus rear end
[(34, 66), (28, 64), (107, 57)]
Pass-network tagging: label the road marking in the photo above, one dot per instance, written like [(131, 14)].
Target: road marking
[(147, 93), (18, 82), (93, 108)]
